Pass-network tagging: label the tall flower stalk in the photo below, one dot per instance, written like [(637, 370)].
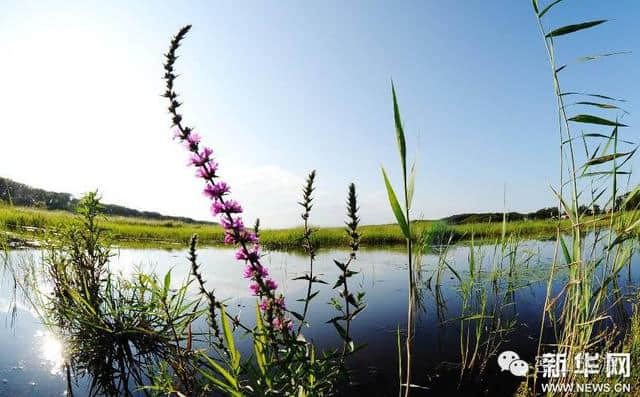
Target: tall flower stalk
[(342, 323), (307, 245), (226, 210)]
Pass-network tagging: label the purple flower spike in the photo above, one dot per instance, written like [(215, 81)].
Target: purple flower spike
[(282, 324), (242, 255), (202, 158), (193, 138), (232, 207), (208, 171), (228, 207), (192, 141), (216, 190), (270, 284), (230, 239), (234, 224), (234, 229)]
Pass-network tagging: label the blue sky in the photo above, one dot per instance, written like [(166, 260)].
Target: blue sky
[(280, 88)]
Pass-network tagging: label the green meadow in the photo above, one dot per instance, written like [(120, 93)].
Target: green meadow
[(23, 223)]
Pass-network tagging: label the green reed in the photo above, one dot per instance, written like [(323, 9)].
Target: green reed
[(583, 321)]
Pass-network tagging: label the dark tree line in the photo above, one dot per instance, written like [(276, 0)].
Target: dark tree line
[(543, 213), (19, 194), (23, 195)]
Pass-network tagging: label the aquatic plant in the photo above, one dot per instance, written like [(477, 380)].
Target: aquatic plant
[(115, 330), (352, 304), (404, 221), (285, 363), (308, 247), (592, 275)]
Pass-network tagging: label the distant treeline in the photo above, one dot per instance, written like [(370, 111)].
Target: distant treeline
[(24, 195), (632, 203), (544, 213)]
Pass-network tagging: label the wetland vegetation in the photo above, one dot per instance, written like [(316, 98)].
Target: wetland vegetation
[(27, 223), (429, 317)]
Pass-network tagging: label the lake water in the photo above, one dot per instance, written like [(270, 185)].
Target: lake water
[(30, 357)]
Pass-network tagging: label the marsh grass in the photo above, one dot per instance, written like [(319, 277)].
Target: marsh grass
[(33, 224), (580, 315)]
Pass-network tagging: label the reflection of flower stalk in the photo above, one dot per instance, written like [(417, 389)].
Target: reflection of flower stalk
[(228, 210), (213, 303)]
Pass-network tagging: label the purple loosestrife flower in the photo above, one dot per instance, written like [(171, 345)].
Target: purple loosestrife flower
[(248, 271), (270, 284), (235, 232), (282, 324), (208, 171), (268, 303), (232, 224), (192, 141), (229, 238), (251, 270), (226, 207), (225, 210), (216, 190), (251, 255), (200, 159)]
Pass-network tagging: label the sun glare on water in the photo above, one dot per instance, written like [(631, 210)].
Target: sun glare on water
[(51, 350)]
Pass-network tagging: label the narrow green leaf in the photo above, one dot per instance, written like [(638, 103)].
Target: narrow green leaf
[(596, 135), (588, 58), (565, 251), (313, 295), (230, 388), (399, 347), (607, 173), (258, 342), (341, 331), (593, 95), (228, 338), (411, 184), (566, 208), (395, 206), (297, 315), (469, 317), (574, 28), (534, 3), (547, 8), (597, 104), (631, 196), (167, 283), (402, 145), (589, 119), (607, 158), (453, 271)]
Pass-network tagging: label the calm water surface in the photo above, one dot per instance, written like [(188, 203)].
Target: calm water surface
[(30, 357)]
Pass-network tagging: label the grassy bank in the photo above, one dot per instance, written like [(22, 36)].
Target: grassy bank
[(30, 223)]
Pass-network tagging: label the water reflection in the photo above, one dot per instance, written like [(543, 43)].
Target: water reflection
[(517, 297), (52, 351)]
